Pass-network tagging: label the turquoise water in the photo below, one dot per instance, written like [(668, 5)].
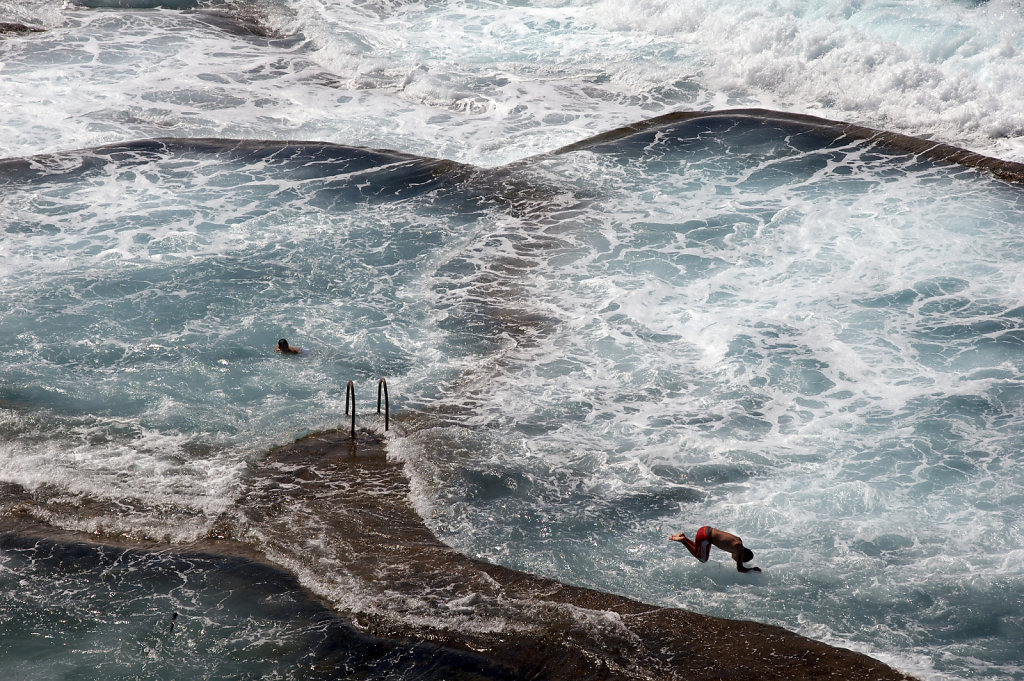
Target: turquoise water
[(816, 344)]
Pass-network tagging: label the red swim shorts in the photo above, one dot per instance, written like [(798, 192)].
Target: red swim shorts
[(703, 543)]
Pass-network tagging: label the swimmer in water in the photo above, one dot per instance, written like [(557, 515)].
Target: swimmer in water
[(284, 348), (707, 537)]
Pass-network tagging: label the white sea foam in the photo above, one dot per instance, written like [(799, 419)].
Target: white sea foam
[(828, 364), (36, 14), (788, 374), (146, 483), (489, 84), (941, 69)]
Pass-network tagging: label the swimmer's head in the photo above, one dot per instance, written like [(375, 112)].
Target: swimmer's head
[(282, 345), (748, 555)]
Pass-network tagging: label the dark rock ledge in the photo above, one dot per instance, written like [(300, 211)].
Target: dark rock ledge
[(9, 27), (414, 587), (937, 152), (336, 513)]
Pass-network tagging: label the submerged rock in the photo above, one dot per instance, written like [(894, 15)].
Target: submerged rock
[(6, 27)]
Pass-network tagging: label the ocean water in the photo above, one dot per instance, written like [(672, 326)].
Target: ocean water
[(810, 340)]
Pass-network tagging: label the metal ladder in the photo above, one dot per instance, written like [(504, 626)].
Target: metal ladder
[(382, 389)]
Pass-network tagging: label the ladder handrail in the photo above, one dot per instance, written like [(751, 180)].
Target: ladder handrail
[(350, 389), (382, 389), (383, 384)]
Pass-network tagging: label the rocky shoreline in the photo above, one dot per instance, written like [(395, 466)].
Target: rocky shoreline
[(500, 623)]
